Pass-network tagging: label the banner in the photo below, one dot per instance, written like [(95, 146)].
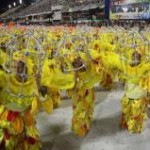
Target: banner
[(130, 9)]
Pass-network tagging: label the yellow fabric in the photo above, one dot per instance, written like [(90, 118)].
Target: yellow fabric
[(28, 89), (134, 112), (55, 95), (47, 105), (3, 57), (134, 91), (34, 106), (28, 118), (145, 83), (16, 126), (55, 78), (83, 105), (18, 129)]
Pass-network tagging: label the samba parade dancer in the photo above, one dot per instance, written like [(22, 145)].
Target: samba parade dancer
[(135, 101), (19, 105), (19, 96)]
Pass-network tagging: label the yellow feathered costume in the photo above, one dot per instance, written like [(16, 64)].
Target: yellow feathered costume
[(83, 94), (19, 104), (134, 103)]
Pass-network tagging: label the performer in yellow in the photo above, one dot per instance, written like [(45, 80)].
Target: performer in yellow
[(82, 95), (55, 93), (111, 65), (104, 46), (55, 80), (18, 107), (134, 103)]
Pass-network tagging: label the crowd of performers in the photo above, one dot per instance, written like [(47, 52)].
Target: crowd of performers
[(37, 63)]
